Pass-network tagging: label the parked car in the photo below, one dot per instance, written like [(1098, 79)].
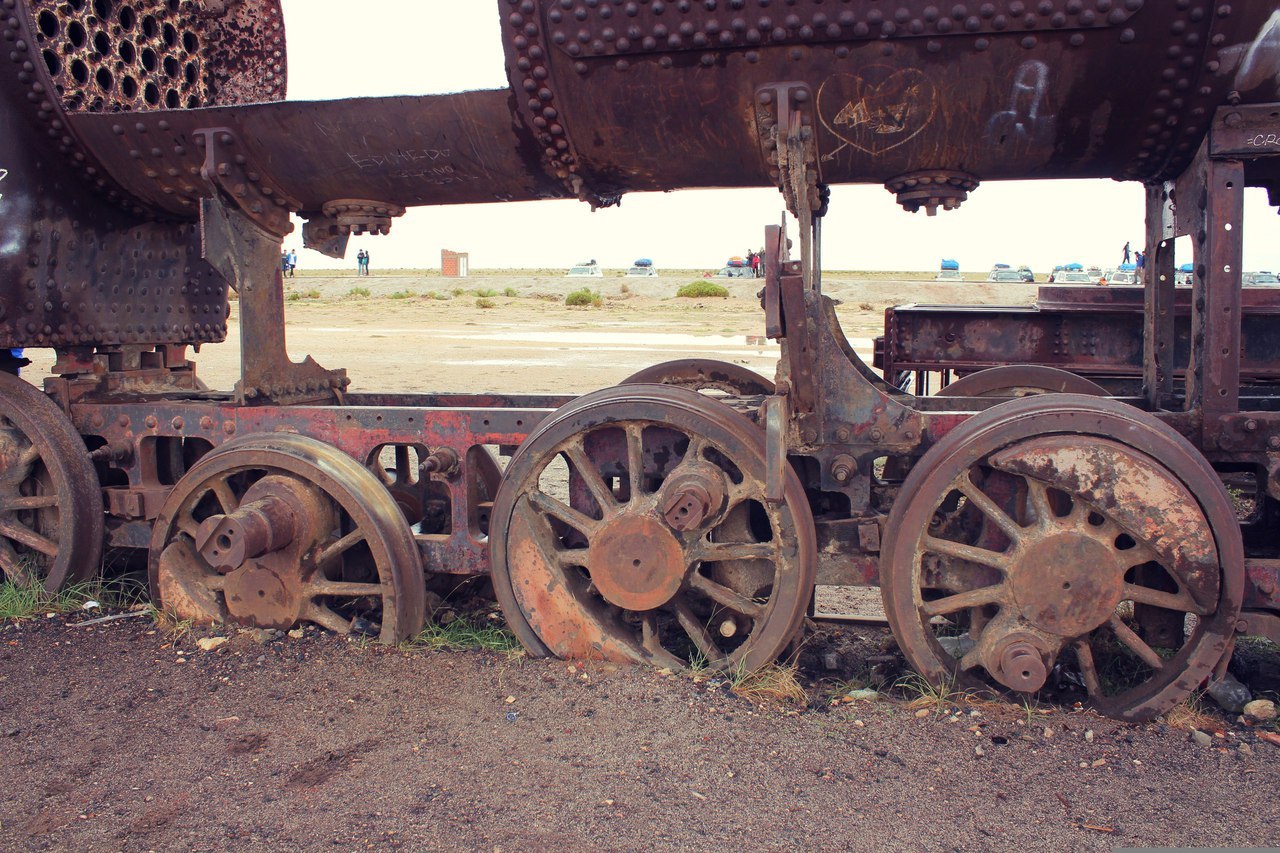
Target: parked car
[(586, 269), (642, 267), (1260, 279), (735, 272), (1006, 275), (1072, 277), (948, 275), (1027, 275)]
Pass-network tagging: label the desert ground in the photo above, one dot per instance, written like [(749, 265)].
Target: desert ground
[(133, 734)]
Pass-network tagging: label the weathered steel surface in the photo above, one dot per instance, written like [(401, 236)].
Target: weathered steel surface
[(1062, 496), (587, 561), (1095, 331)]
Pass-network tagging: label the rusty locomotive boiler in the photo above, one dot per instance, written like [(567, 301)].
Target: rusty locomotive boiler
[(148, 167)]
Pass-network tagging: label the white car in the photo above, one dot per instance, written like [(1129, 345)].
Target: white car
[(641, 271), (1260, 279), (1071, 277), (949, 275), (589, 270)]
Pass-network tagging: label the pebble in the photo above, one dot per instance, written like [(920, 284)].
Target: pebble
[(1260, 710), (866, 694), (1088, 736), (208, 644), (979, 751), (1048, 732), (1230, 694), (1100, 762), (922, 713), (1245, 749), (297, 633), (1201, 738)]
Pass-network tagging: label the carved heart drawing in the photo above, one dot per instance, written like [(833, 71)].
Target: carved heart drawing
[(879, 109)]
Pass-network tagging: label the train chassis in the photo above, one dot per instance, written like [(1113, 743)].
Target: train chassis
[(1014, 540)]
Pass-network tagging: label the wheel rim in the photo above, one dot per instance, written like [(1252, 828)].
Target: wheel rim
[(1069, 532), (1022, 380), (703, 374), (659, 546), (269, 531), (51, 520)]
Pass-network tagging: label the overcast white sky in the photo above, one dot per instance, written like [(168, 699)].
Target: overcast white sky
[(410, 47)]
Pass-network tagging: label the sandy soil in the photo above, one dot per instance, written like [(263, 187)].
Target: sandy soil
[(533, 343), (123, 737), (116, 739)]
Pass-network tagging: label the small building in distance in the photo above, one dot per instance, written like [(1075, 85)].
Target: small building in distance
[(454, 264)]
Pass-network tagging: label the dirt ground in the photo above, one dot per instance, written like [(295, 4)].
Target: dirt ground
[(126, 736)]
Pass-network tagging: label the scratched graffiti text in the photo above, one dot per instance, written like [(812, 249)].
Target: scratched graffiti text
[(4, 173), (404, 158), (877, 110), (1026, 119)]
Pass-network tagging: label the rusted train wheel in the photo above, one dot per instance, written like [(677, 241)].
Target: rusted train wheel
[(1071, 532), (272, 530), (703, 374), (50, 502), (633, 526), (1022, 380)]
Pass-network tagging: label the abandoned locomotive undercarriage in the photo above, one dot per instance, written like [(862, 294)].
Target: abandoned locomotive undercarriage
[(148, 165)]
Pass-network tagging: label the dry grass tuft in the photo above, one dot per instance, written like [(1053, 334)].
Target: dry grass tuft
[(770, 683), (1191, 714)]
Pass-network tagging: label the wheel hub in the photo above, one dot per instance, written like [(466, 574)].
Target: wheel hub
[(257, 594), (1067, 584), (636, 562)]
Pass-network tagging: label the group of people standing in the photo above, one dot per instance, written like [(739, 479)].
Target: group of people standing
[(288, 262), (362, 263)]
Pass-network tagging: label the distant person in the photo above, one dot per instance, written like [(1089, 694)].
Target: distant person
[(367, 257), (293, 261), (1127, 252), (284, 263), (360, 262)]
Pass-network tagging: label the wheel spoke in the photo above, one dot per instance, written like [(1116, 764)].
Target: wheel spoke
[(28, 457), (960, 551), (635, 459), (189, 526), (1088, 669), (649, 633), (725, 596), (34, 502), (1038, 496), (1179, 601), (545, 540), (26, 536), (558, 509), (697, 632), (714, 552), (1135, 643), (586, 469), (340, 547), (964, 600), (326, 618), (345, 590), (693, 452), (227, 498), (989, 508)]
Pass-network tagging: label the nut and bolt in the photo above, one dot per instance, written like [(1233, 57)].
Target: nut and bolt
[(843, 467)]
